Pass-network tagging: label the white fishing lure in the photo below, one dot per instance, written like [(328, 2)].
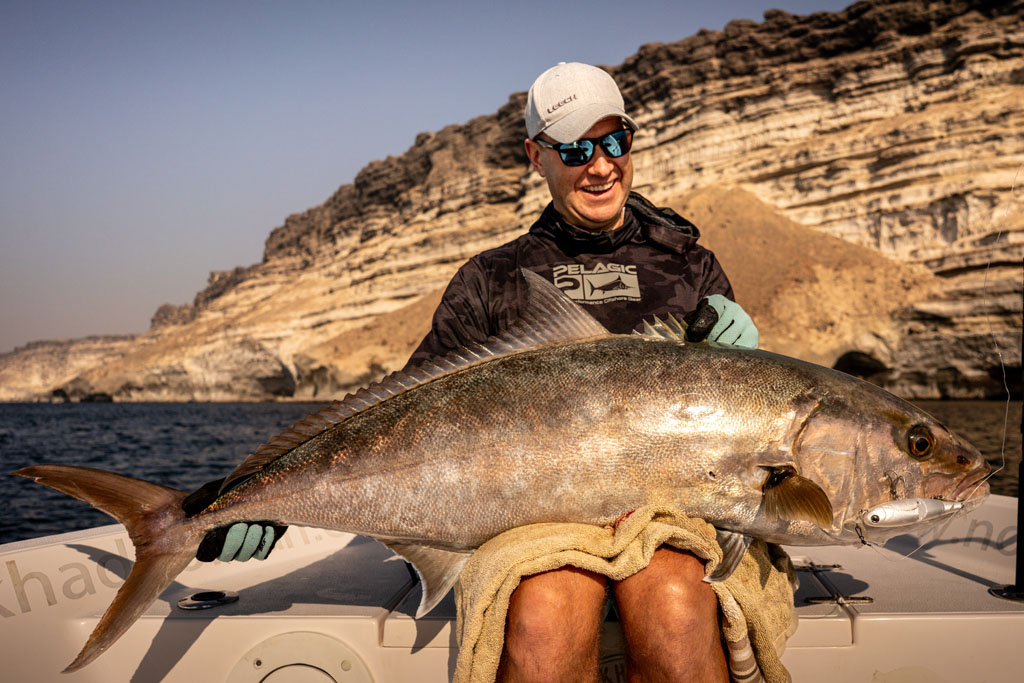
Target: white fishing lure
[(908, 511)]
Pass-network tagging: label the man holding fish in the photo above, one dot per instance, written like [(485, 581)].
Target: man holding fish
[(626, 261), (563, 417), (593, 232)]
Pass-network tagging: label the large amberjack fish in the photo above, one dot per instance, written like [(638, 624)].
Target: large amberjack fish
[(557, 420)]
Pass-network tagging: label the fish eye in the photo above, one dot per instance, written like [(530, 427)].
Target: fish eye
[(920, 442)]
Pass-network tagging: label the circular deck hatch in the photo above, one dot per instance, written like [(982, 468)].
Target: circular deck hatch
[(300, 657), (299, 673)]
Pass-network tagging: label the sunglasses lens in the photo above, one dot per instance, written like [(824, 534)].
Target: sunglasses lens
[(576, 153), (616, 144), (580, 152)]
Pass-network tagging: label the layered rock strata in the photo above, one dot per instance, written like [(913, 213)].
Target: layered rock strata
[(48, 369), (894, 126)]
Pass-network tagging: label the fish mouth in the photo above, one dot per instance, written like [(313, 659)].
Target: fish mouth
[(973, 484)]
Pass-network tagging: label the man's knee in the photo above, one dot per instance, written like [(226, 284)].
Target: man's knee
[(687, 612), (561, 604), (670, 573), (671, 587), (555, 618), (685, 592), (670, 618)]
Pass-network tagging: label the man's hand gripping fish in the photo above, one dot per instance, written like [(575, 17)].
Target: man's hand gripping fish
[(557, 420)]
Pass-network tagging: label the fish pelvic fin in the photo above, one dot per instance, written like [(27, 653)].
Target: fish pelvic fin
[(437, 569), (734, 546), (164, 542), (790, 497)]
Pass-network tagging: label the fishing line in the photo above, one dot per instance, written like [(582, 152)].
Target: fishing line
[(891, 555), (992, 337), (929, 535)]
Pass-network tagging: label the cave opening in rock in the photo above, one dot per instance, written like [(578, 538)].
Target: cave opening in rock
[(860, 364)]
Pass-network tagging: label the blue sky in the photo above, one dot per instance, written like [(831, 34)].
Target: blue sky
[(145, 144)]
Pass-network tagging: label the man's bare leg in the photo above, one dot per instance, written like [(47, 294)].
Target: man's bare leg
[(670, 620), (554, 627)]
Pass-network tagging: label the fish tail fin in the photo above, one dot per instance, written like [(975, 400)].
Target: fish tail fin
[(164, 542)]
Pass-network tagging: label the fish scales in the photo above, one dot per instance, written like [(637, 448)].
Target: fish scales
[(557, 420), (629, 422)]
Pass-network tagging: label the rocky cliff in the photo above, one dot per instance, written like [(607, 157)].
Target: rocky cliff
[(855, 171), (53, 366)]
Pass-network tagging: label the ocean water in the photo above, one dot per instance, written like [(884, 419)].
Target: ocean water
[(184, 445)]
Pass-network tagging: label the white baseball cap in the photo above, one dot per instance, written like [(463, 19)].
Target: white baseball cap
[(567, 99)]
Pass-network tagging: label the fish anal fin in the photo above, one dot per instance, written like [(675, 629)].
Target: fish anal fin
[(734, 546), (791, 497), (438, 570)]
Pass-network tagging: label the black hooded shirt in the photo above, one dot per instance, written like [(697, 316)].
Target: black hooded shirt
[(650, 266)]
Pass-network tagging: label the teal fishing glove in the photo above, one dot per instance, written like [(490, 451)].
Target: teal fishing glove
[(244, 541), (721, 320), (241, 541)]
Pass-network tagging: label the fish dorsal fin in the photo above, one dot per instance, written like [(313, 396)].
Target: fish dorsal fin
[(788, 496), (548, 318), (300, 432), (671, 329), (338, 411), (437, 569)]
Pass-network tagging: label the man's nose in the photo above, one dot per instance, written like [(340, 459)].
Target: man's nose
[(601, 164)]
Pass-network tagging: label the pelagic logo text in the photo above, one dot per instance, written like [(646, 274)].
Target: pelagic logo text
[(599, 284)]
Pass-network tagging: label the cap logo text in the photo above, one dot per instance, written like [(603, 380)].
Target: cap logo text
[(567, 100)]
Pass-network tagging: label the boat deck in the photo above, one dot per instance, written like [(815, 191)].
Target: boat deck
[(331, 606)]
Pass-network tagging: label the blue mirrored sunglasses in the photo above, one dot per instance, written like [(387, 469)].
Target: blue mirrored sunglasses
[(581, 151)]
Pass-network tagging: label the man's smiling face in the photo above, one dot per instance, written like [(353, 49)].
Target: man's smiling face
[(590, 196)]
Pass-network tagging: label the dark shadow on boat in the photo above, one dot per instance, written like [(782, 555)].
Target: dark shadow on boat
[(912, 547), (825, 585), (167, 647), (432, 624), (338, 579)]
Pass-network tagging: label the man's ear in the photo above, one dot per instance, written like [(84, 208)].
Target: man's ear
[(533, 151)]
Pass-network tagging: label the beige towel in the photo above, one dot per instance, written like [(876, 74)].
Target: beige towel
[(756, 601)]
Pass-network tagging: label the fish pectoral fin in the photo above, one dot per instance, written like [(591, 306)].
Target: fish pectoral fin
[(788, 496), (734, 546), (438, 570)]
